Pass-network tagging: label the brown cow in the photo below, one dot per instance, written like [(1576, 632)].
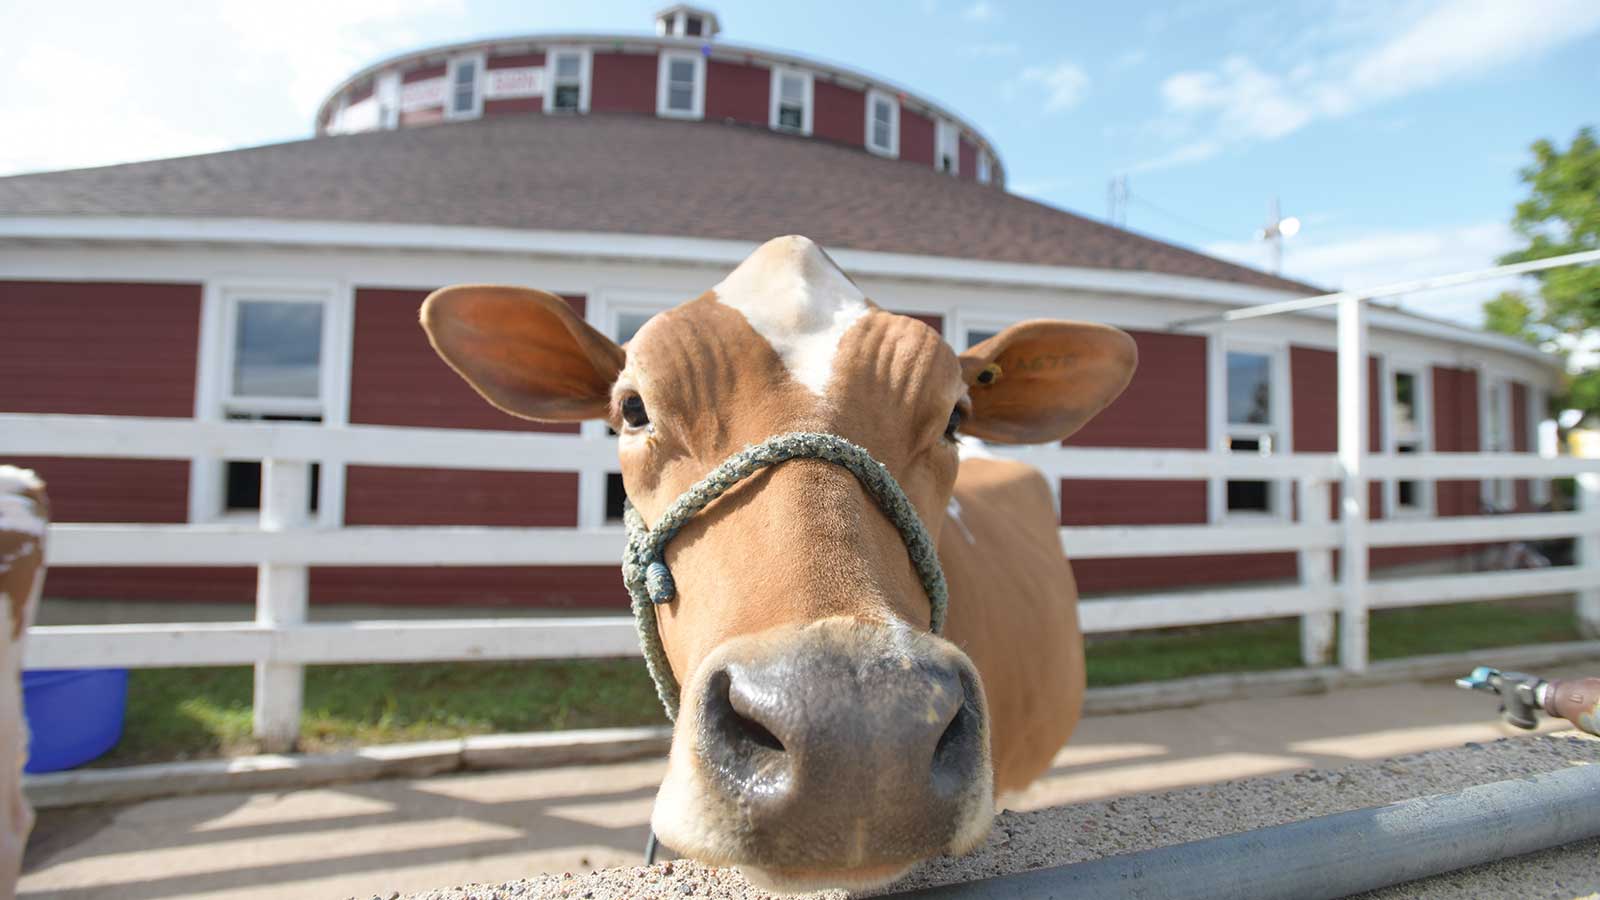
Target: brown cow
[(24, 515), (825, 737)]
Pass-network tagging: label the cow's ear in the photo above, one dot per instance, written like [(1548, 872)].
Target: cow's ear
[(524, 350), (1042, 380)]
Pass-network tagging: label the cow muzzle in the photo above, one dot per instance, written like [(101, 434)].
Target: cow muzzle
[(837, 754)]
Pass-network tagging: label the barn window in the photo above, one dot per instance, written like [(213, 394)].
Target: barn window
[(275, 374), (1252, 426), (985, 175), (466, 100), (791, 101), (883, 123), (681, 85), (388, 93), (569, 82), (1406, 432), (947, 147)]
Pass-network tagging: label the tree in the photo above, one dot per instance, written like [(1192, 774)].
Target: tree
[(1561, 215)]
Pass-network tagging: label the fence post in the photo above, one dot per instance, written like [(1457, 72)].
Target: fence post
[(281, 598), (1588, 606), (1352, 329), (1316, 573)]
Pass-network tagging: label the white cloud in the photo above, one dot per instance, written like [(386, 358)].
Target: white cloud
[(981, 11), (169, 78), (1386, 256), (1065, 84), (1372, 59)]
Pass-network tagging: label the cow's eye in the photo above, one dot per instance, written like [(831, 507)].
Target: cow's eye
[(633, 411), (955, 423)]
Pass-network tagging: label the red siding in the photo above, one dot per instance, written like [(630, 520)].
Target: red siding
[(423, 73), (1165, 404), (113, 490), (99, 348), (392, 495), (1086, 502), (518, 61), (841, 113), (1455, 430), (397, 379), (916, 137), (969, 160), (623, 82), (570, 587), (1314, 394), (513, 105), (738, 93)]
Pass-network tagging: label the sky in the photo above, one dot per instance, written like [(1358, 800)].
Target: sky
[(1393, 129)]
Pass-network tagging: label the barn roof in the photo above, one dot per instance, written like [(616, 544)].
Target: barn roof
[(616, 173)]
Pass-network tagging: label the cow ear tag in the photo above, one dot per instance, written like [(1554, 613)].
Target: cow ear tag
[(990, 374)]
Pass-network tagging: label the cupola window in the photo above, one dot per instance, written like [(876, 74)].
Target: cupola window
[(883, 123), (791, 100), (466, 100), (680, 85), (569, 77), (947, 147)]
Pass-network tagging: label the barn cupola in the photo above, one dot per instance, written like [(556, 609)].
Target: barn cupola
[(685, 21)]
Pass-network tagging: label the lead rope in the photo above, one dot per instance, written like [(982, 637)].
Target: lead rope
[(649, 581)]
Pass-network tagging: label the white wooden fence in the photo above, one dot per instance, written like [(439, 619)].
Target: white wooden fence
[(280, 642)]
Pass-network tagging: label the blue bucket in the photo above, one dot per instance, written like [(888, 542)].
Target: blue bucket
[(74, 715)]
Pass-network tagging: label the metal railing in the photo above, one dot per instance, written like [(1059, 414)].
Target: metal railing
[(286, 544)]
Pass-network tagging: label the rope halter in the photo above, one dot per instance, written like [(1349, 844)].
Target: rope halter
[(644, 566)]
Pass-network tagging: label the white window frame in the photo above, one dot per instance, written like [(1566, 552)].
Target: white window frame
[(1422, 374), (214, 398), (697, 96), (1496, 491), (893, 150), (478, 61), (807, 93), (947, 136), (985, 167), (1281, 430), (387, 92), (585, 71)]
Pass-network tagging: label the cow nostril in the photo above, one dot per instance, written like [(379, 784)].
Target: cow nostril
[(957, 749), (755, 733), (734, 727)]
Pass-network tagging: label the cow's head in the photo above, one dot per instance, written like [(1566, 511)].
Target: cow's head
[(825, 736)]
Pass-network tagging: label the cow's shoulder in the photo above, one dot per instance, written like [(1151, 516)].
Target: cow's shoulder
[(1013, 490)]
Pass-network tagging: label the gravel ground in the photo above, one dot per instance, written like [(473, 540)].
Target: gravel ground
[(1088, 831)]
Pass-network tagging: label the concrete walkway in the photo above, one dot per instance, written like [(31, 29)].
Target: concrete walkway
[(413, 835)]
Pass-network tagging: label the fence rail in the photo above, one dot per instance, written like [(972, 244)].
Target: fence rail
[(286, 544)]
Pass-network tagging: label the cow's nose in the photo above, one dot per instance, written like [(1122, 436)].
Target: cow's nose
[(822, 739)]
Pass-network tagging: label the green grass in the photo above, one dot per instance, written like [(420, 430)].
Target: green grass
[(190, 713)]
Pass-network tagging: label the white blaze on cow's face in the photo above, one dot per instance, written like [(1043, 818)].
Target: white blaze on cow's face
[(824, 738), (794, 296)]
